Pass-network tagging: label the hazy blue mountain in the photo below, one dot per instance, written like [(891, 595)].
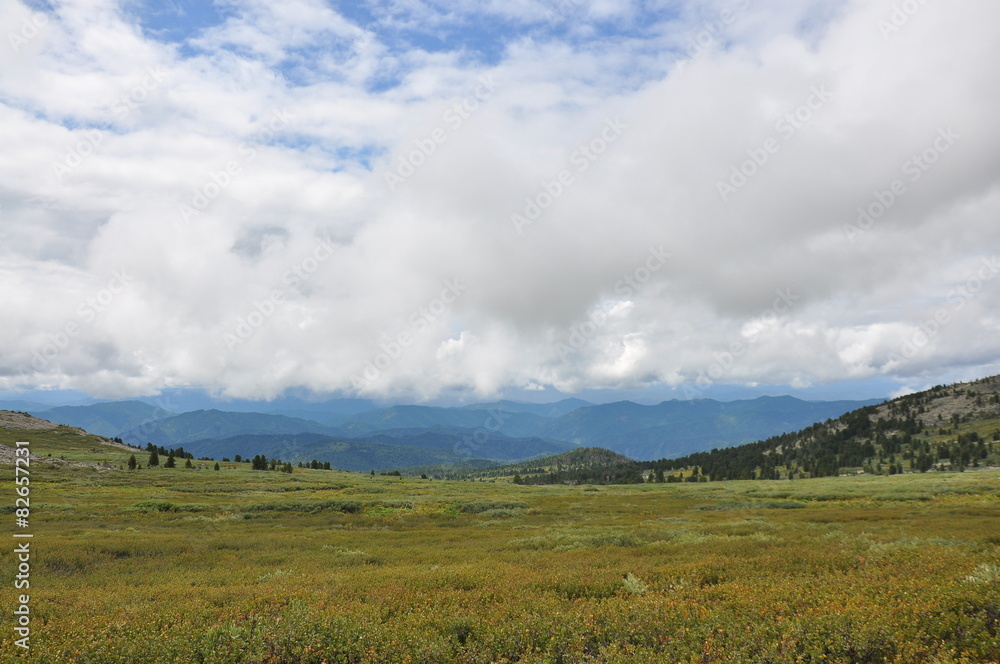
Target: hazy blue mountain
[(203, 424), (343, 454), (403, 417), (515, 430), (674, 428), (555, 409), (465, 443), (105, 419), (185, 401)]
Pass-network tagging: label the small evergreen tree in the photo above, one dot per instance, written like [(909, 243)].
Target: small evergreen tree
[(216, 465), (188, 464), (154, 459), (171, 463), (517, 479), (132, 462)]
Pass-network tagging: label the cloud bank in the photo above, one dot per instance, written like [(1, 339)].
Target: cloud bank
[(488, 196)]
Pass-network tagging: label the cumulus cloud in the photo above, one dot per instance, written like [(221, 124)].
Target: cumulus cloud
[(296, 198)]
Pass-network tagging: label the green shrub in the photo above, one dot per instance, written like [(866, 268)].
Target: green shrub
[(345, 506), (481, 507), (167, 506)]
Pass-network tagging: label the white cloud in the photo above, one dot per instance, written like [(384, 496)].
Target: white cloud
[(849, 307)]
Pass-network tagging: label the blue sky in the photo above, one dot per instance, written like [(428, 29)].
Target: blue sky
[(441, 202)]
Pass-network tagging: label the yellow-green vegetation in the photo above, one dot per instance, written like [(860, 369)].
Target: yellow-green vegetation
[(202, 566)]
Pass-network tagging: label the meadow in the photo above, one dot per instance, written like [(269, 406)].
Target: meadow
[(241, 566)]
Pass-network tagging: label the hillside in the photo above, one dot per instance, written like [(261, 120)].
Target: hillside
[(952, 427), (590, 465), (58, 444), (673, 428), (202, 424)]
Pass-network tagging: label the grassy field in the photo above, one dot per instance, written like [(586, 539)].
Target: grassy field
[(235, 565)]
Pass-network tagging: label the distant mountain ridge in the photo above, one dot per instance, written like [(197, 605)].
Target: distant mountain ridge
[(380, 452), (556, 409), (202, 424), (945, 428), (511, 423), (105, 419), (673, 428), (498, 430)]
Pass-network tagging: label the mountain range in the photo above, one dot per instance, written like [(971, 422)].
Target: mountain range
[(945, 428), (356, 434)]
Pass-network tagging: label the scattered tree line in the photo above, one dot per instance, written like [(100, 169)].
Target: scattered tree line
[(315, 465), (162, 451), (258, 462)]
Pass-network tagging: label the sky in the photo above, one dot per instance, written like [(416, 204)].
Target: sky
[(424, 200)]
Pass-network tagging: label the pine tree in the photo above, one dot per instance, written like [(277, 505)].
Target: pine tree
[(216, 465), (154, 459), (170, 461), (188, 464), (131, 462)]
